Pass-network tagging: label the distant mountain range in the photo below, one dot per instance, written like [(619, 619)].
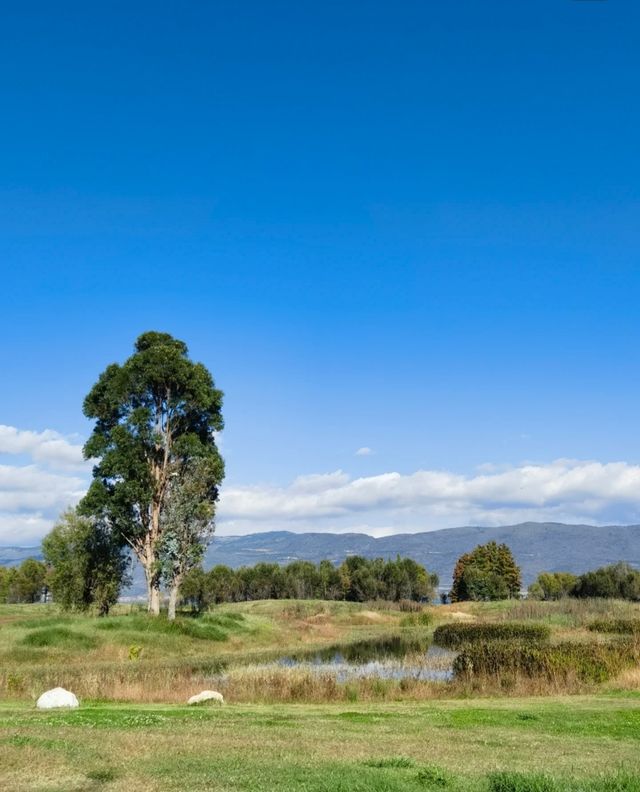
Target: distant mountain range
[(537, 547)]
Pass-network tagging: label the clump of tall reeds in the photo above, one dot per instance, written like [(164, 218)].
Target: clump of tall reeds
[(619, 626), (456, 635), (586, 662)]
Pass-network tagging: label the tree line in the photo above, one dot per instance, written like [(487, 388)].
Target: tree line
[(27, 582), (75, 576), (357, 579), (615, 581)]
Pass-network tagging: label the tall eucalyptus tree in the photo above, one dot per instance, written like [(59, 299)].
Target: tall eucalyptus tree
[(155, 415)]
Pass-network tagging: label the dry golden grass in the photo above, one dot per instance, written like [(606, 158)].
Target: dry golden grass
[(170, 666)]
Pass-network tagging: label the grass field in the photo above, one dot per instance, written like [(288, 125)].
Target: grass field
[(284, 730), (557, 743), (131, 657)]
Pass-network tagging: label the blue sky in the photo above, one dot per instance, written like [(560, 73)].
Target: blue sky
[(409, 227)]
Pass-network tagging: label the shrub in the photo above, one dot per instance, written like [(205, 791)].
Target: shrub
[(455, 635), (135, 652)]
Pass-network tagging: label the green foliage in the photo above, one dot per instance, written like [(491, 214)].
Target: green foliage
[(521, 782), (620, 626), (618, 581), (489, 572), (24, 583), (357, 579), (155, 418), (434, 777), (455, 635), (88, 564), (552, 585), (207, 629), (421, 619), (135, 652), (59, 637), (587, 662)]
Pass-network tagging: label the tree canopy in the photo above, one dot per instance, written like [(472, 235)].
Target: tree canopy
[(489, 572), (155, 416), (24, 583), (620, 581), (88, 565), (357, 579), (552, 585)]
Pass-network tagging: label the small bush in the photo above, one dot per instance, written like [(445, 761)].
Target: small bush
[(135, 652), (455, 635)]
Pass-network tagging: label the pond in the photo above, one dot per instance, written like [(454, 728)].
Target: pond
[(395, 657)]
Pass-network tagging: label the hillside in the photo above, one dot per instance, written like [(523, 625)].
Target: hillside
[(536, 546)]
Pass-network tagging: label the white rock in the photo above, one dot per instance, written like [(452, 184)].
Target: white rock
[(207, 695), (57, 697)]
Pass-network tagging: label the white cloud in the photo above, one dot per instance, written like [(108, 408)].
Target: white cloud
[(364, 451), (48, 447), (23, 530), (32, 494), (564, 490)]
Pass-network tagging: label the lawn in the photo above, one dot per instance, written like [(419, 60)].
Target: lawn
[(284, 729), (577, 743)]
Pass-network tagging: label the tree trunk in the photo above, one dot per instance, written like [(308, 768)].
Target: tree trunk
[(154, 599), (173, 598), (147, 560)]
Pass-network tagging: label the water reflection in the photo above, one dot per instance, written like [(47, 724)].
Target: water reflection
[(395, 657)]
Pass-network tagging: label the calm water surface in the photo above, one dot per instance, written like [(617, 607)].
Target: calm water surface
[(396, 658)]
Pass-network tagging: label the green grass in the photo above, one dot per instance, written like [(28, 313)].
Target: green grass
[(578, 744), (377, 736), (48, 637)]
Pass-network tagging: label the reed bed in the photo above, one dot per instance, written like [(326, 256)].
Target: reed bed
[(456, 635), (589, 663), (619, 626)]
